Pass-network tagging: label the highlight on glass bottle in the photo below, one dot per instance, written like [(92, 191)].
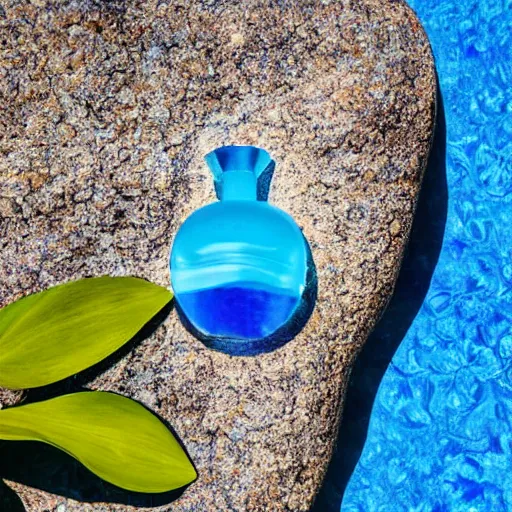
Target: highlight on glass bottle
[(241, 270)]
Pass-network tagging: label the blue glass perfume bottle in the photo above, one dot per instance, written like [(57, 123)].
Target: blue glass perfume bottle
[(240, 266)]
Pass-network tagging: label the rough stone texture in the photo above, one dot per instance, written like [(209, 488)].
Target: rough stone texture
[(107, 110)]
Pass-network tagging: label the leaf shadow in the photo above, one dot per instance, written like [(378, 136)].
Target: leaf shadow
[(9, 500), (420, 259), (49, 469), (45, 467)]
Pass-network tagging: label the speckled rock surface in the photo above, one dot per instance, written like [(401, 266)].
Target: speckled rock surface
[(107, 111)]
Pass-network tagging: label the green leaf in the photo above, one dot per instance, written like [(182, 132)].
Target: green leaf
[(51, 335), (113, 436)]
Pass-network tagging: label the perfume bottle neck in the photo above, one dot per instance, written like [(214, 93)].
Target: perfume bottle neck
[(241, 173), (238, 185)]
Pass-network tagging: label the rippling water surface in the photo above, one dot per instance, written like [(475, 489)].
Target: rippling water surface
[(440, 435)]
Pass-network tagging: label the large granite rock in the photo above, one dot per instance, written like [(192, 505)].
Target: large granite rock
[(108, 109)]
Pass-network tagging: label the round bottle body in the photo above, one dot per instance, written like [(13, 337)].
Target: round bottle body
[(238, 269)]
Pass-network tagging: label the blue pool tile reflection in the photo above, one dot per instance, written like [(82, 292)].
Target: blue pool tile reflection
[(440, 435)]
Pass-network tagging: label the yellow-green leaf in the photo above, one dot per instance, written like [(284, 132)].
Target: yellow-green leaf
[(113, 436), (51, 335)]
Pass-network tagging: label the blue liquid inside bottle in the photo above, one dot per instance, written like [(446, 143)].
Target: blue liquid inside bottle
[(239, 266), (247, 312)]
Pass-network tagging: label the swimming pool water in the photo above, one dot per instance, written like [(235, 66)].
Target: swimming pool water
[(440, 434)]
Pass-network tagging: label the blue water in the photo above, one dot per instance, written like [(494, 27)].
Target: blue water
[(246, 311), (440, 432)]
